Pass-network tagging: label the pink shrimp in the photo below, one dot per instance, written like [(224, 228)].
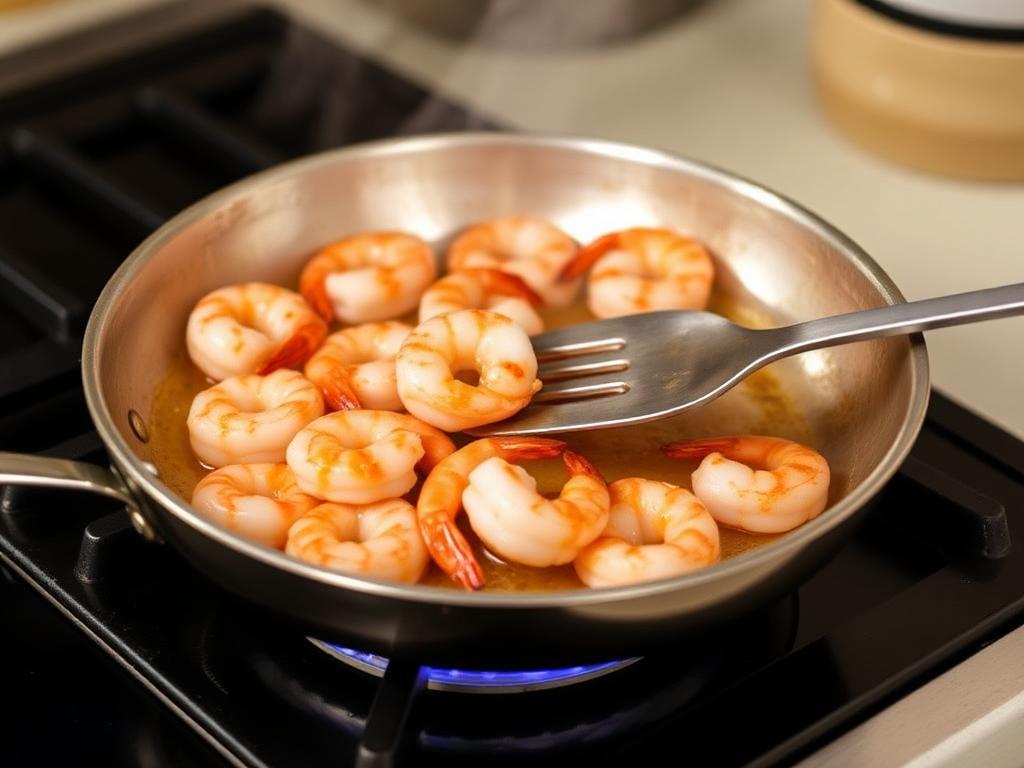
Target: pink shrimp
[(531, 248), (251, 328), (441, 499), (642, 270), (480, 288), (368, 277), (790, 490)]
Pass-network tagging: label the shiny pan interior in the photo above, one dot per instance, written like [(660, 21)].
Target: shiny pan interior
[(864, 402)]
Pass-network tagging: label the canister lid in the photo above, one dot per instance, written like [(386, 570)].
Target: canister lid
[(986, 13), (983, 19)]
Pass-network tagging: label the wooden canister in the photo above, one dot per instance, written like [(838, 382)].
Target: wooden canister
[(934, 100)]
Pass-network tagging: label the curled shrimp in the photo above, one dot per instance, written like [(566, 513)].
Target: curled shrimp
[(470, 339), (259, 501), (478, 288), (642, 270), (441, 499), (518, 524), (251, 419), (534, 249), (251, 328), (358, 457), (367, 277), (355, 368), (791, 489), (655, 531), (381, 540)]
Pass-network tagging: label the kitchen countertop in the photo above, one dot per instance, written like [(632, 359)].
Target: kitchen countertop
[(728, 83)]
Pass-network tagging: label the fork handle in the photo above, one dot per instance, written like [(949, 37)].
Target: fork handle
[(898, 319)]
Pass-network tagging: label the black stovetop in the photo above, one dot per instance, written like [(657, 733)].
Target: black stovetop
[(115, 652)]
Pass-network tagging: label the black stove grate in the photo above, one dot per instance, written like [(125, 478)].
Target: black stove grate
[(90, 165)]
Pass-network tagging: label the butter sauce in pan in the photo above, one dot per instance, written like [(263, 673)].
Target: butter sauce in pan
[(758, 405)]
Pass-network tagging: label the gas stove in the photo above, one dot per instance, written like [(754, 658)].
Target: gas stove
[(116, 652)]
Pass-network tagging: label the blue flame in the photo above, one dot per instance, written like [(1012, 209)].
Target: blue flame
[(478, 678)]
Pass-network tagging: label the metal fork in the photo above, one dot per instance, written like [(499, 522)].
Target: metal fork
[(639, 368)]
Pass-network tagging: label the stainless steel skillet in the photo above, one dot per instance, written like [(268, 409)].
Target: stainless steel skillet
[(864, 403)]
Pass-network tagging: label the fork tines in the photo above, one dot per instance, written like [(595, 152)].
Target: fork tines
[(559, 356)]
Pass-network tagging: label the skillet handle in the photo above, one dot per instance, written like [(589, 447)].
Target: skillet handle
[(25, 469)]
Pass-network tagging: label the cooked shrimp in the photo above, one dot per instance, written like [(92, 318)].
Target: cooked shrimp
[(356, 367), (470, 339), (478, 288), (441, 499), (642, 270), (358, 457), (534, 249), (367, 277), (259, 501), (655, 531), (518, 524), (381, 540), (251, 328), (790, 490), (251, 419)]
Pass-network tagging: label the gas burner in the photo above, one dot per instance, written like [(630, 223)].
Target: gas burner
[(480, 681)]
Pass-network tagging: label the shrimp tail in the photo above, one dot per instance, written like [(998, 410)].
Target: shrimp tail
[(514, 448), (576, 464), (587, 255), (699, 448), (452, 552), (313, 288), (297, 348), (436, 447), (338, 392), (506, 284)]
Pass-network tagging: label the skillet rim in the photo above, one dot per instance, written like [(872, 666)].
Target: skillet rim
[(155, 490)]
